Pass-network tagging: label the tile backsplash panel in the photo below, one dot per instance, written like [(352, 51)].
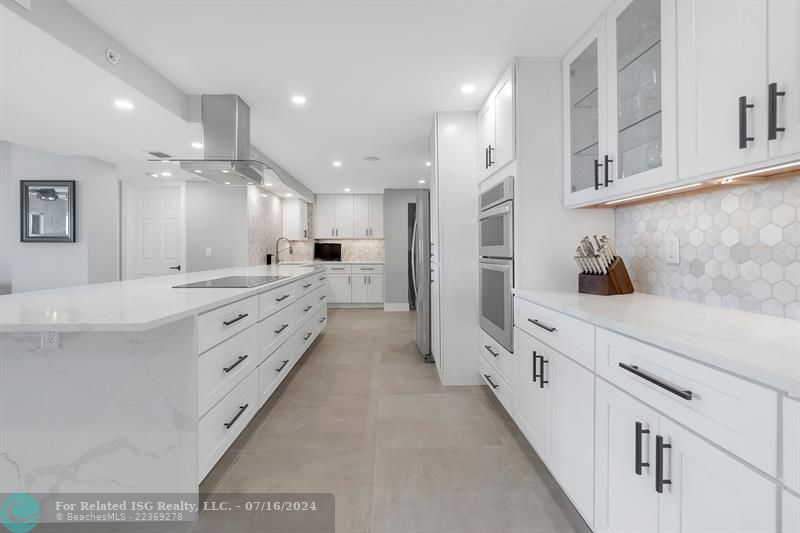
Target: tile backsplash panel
[(352, 250), (265, 219), (738, 247)]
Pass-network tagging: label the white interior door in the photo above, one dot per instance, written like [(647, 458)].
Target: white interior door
[(154, 230)]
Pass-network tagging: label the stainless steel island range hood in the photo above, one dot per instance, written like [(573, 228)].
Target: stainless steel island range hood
[(227, 155)]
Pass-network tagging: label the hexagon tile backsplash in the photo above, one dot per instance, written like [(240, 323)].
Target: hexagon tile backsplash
[(738, 247)]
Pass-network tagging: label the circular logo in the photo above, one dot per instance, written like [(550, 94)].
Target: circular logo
[(19, 512)]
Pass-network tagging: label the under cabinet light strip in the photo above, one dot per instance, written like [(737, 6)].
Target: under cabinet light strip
[(648, 195)]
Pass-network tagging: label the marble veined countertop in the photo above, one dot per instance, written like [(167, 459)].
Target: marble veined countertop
[(761, 348), (133, 305)]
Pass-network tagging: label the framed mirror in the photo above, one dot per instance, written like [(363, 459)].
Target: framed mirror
[(47, 211)]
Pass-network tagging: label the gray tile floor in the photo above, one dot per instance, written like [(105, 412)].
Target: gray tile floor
[(362, 416)]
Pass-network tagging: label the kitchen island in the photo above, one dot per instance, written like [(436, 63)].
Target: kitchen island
[(139, 387)]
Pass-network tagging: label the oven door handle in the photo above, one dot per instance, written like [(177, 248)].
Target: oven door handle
[(498, 210)]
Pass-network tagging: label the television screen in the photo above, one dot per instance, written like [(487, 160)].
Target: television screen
[(328, 251)]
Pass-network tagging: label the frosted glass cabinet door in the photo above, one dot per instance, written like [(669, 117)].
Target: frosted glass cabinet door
[(585, 110), (642, 95)]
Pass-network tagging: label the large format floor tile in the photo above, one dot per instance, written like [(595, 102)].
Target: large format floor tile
[(363, 417)]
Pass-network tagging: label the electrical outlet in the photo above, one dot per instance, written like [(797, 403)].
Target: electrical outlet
[(208, 251), (51, 340), (672, 245)]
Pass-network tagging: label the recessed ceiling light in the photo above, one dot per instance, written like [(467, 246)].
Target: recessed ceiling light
[(347, 189), (298, 99), (264, 195), (288, 194), (468, 88), (197, 145), (198, 171), (166, 174), (154, 175), (421, 181), (227, 183), (337, 163), (125, 105), (225, 171), (427, 163), (267, 185)]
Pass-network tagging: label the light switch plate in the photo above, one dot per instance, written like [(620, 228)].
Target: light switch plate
[(672, 245), (208, 251)]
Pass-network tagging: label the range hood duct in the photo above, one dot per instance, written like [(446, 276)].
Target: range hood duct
[(227, 155)]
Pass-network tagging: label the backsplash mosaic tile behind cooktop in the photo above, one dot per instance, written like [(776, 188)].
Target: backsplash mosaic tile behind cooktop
[(738, 247)]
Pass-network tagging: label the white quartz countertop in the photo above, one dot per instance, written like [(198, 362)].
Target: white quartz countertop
[(761, 348), (133, 305), (325, 263)]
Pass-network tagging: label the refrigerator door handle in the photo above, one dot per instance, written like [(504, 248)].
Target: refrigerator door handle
[(414, 259)]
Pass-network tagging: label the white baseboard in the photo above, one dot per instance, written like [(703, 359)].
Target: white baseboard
[(354, 306), (392, 308)]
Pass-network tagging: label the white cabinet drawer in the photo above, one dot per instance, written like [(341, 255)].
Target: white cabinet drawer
[(791, 512), (309, 304), (570, 336), (310, 330), (225, 366), (307, 284), (499, 386), (367, 269), (734, 413), (218, 324), (791, 443), (273, 331), (271, 302), (502, 359), (337, 269), (277, 367), (222, 424)]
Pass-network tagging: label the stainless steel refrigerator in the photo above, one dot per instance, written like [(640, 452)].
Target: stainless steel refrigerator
[(421, 271)]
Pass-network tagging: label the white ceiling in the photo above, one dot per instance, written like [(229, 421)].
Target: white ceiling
[(374, 72)]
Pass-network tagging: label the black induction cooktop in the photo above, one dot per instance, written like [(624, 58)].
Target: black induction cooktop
[(231, 282)]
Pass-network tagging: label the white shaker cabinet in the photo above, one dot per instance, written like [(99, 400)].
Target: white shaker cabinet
[(531, 408), (376, 216), (344, 216), (340, 285), (295, 219), (368, 216), (496, 133), (722, 82), (325, 216), (783, 91)]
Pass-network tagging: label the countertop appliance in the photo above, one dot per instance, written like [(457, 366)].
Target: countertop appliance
[(496, 263), (421, 271), (327, 251), (231, 282)]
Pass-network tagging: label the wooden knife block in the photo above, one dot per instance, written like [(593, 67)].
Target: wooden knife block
[(617, 281)]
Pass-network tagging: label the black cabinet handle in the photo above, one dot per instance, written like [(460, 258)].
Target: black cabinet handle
[(322, 297), (491, 149), (606, 165), (542, 362), (772, 111), (485, 158), (655, 380), (597, 165), (178, 268), (237, 363), (305, 309), (323, 278), (235, 418), (285, 362), (535, 374), (235, 320), (306, 336), (307, 285), (660, 481), (282, 298), (489, 379), (743, 107), (544, 327), (489, 349), (639, 464), (321, 320), (283, 327)]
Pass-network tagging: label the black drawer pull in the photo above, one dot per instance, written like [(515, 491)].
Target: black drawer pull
[(305, 309), (489, 379), (489, 349), (285, 362), (322, 297), (235, 418), (282, 298), (537, 323), (283, 327), (660, 481), (323, 319), (639, 464), (306, 336), (307, 285), (237, 363), (323, 278), (364, 268), (235, 320), (666, 385)]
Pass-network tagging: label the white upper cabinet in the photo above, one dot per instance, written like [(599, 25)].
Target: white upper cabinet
[(722, 84), (585, 117), (368, 216), (642, 116), (349, 216), (783, 91), (376, 216), (496, 135), (345, 227), (325, 216), (295, 219)]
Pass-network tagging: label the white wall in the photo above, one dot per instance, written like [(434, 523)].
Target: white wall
[(395, 232), (93, 258), (216, 216)]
